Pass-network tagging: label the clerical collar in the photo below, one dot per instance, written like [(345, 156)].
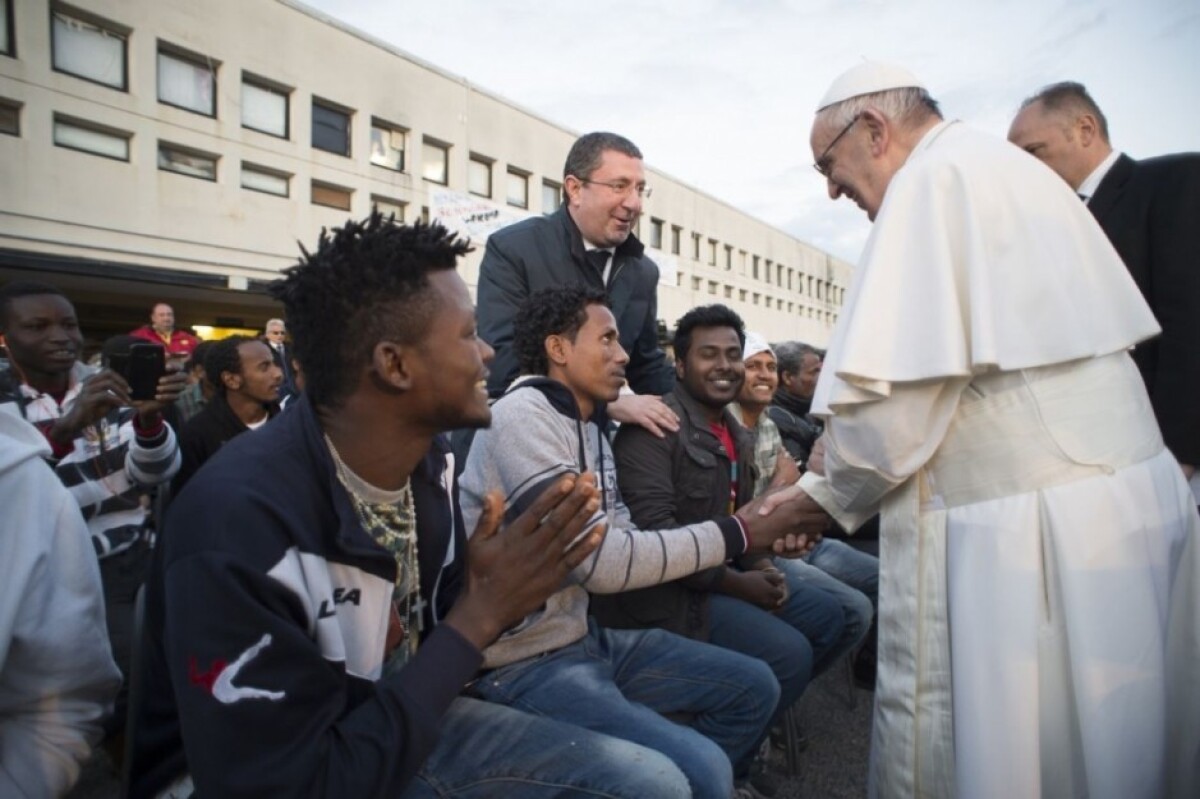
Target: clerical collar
[(1087, 189)]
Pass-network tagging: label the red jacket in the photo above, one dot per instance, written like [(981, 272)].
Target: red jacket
[(181, 343)]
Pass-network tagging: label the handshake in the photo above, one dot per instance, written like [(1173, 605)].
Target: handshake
[(786, 521)]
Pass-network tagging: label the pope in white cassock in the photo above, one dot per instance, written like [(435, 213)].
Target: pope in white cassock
[(1040, 589)]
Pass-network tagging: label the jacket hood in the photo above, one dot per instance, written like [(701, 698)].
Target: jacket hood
[(561, 398), (19, 440)]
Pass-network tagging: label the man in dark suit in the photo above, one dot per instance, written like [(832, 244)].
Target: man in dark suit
[(1150, 210), (274, 334)]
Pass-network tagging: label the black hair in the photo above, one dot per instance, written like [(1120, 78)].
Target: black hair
[(716, 315), (23, 288), (1072, 96), (554, 311), (588, 150), (789, 356), (197, 356), (223, 356), (366, 282)]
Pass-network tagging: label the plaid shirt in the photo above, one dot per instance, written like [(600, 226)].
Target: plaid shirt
[(767, 442)]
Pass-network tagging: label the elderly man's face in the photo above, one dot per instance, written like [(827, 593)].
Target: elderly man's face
[(606, 205), (850, 167), (275, 332), (1050, 137)]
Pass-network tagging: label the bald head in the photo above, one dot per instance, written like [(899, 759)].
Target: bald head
[(1063, 128)]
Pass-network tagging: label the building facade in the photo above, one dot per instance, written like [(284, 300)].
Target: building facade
[(174, 150)]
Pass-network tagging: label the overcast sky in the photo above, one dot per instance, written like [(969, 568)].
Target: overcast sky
[(720, 93)]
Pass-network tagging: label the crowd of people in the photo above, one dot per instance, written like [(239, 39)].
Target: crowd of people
[(423, 547)]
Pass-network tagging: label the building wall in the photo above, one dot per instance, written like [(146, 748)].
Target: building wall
[(65, 204)]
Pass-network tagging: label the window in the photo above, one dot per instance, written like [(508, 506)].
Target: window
[(757, 297), (551, 196), (332, 196), (7, 46), (729, 292), (479, 176), (388, 207), (728, 258), (264, 107), (518, 188), (676, 235), (754, 262), (183, 161), (696, 282), (656, 230), (90, 138), (187, 81), (695, 246), (10, 117), (766, 270), (330, 128), (712, 252), (268, 181), (90, 48), (742, 295), (435, 161), (387, 146), (712, 287)]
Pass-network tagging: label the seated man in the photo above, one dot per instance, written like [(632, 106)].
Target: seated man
[(548, 424), (107, 449), (246, 382), (57, 676), (833, 566), (318, 610), (799, 366), (705, 469)]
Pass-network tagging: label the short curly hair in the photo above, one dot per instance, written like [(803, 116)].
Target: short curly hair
[(366, 282), (716, 315), (223, 356), (554, 311)]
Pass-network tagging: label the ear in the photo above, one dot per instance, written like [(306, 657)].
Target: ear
[(392, 366), (232, 380), (679, 369), (785, 379), (557, 350), (572, 186), (1088, 128), (878, 128)]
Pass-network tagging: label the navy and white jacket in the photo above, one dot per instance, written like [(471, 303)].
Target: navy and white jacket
[(266, 622)]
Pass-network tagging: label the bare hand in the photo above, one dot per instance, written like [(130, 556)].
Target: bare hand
[(100, 393), (777, 514), (816, 458), (644, 410), (765, 588), (512, 570), (786, 471)]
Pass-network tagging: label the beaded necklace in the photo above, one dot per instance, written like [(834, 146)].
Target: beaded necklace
[(394, 527)]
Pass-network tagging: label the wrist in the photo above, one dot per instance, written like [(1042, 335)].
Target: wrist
[(473, 623)]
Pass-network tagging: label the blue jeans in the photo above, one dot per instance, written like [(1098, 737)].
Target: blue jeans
[(795, 641), (487, 750), (851, 577), (620, 682)]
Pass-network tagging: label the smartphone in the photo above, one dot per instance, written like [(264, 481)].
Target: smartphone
[(144, 366)]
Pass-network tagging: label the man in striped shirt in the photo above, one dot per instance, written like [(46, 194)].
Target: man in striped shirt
[(109, 451)]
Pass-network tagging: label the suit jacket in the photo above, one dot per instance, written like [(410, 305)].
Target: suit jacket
[(1150, 211)]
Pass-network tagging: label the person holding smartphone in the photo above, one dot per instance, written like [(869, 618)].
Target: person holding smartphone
[(109, 448)]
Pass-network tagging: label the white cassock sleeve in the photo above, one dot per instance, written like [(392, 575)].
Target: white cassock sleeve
[(872, 447)]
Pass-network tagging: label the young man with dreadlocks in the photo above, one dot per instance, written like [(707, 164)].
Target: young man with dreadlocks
[(318, 609)]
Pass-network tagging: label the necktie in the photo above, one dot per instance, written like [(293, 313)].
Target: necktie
[(598, 259)]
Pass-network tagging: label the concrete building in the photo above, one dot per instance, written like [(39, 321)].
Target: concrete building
[(174, 150)]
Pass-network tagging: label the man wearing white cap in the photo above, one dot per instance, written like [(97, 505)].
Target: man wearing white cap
[(1040, 583)]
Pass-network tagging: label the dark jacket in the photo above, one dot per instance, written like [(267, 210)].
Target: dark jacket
[(1150, 210), (266, 570), (207, 432), (548, 251), (797, 427), (669, 482)]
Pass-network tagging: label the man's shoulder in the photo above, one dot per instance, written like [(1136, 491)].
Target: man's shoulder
[(1167, 170), (535, 227)]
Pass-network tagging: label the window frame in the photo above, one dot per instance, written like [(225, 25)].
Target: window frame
[(390, 129), (557, 189), (101, 24), (91, 127), (391, 201), (259, 169), (655, 239), (428, 143), (475, 160), (8, 47), (15, 106), (202, 62), (333, 108), (270, 87), (181, 149), (315, 184), (510, 174)]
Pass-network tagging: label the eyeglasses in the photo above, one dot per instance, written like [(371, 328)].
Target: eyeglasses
[(822, 164), (622, 187)]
